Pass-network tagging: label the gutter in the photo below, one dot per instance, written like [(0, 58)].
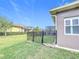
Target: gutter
[(55, 22)]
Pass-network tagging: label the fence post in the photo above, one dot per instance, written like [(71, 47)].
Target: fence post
[(56, 38), (42, 40), (33, 36)]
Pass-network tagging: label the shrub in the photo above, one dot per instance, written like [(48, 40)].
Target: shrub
[(12, 33)]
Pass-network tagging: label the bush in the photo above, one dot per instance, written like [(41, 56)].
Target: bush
[(1, 33)]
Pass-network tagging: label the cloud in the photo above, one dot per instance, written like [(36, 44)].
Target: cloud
[(30, 3), (63, 0), (15, 6), (27, 3), (20, 13), (3, 9)]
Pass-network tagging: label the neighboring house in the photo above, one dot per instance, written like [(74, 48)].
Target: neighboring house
[(67, 25), (50, 30), (29, 29), (17, 28)]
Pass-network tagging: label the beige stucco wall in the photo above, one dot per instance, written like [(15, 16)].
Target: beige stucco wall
[(15, 29), (70, 41)]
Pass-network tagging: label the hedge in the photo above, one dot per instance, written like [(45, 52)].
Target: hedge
[(12, 33)]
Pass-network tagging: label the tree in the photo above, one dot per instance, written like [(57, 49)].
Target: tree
[(37, 29), (4, 24)]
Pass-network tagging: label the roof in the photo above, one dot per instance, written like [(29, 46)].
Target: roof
[(65, 7), (20, 26)]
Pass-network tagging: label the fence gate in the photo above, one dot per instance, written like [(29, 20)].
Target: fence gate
[(42, 37)]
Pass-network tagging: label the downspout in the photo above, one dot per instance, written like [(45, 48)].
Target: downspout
[(55, 22)]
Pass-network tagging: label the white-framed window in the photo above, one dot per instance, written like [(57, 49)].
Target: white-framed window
[(71, 26)]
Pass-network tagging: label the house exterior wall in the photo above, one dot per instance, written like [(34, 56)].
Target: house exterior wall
[(69, 41), (15, 29)]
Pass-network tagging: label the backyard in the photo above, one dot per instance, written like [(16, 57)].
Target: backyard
[(18, 47), (30, 30), (6, 41)]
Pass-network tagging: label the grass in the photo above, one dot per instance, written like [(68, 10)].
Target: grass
[(29, 50), (47, 39), (6, 41), (17, 47)]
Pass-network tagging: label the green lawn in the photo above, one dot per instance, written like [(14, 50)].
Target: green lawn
[(17, 47), (6, 41), (29, 50)]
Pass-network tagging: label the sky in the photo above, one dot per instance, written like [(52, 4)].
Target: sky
[(30, 12)]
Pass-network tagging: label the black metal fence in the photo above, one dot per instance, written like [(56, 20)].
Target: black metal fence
[(42, 37)]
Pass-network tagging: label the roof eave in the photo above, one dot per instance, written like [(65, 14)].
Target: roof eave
[(65, 7)]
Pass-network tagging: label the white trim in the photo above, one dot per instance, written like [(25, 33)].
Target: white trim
[(71, 18), (55, 20), (65, 48), (60, 47), (65, 7), (65, 25)]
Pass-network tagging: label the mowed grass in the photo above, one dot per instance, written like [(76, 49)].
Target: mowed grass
[(6, 41), (29, 50), (17, 47)]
